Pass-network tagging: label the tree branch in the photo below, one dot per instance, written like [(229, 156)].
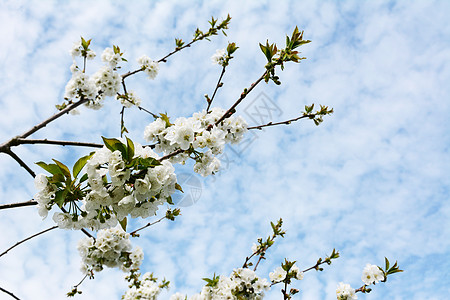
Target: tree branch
[(20, 161), (18, 204), (133, 233), (28, 238), (21, 141), (287, 122), (218, 85), (9, 293), (52, 118), (244, 94)]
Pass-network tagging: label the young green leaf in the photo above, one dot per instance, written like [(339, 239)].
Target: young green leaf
[(123, 223), (78, 166), (130, 149), (51, 168), (64, 169)]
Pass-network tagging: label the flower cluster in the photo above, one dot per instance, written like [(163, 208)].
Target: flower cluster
[(372, 274), (45, 195), (111, 57), (280, 274), (196, 132), (345, 292), (112, 248), (149, 66), (120, 180), (147, 288), (106, 81), (80, 49), (242, 284)]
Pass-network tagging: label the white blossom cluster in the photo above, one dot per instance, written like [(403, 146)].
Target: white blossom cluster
[(372, 274), (112, 248), (345, 292), (111, 58), (219, 57), (46, 193), (279, 274), (197, 132), (106, 81), (77, 51), (149, 289), (108, 201), (150, 67), (242, 284)]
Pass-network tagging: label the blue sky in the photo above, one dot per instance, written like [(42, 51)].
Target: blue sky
[(371, 181)]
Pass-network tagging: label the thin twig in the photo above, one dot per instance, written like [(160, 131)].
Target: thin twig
[(52, 118), (28, 238), (231, 110), (148, 225), (218, 85), (60, 143), (287, 122), (20, 161), (18, 204), (9, 293), (171, 154)]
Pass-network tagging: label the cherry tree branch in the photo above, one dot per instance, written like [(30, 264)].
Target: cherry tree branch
[(22, 141), (28, 238), (19, 161), (18, 204), (133, 233), (244, 94), (287, 122), (9, 293), (218, 85)]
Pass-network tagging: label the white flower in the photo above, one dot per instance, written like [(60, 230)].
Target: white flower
[(149, 66), (63, 220), (372, 274), (219, 56), (40, 182), (177, 296), (277, 275), (298, 274), (90, 55), (345, 292), (76, 50)]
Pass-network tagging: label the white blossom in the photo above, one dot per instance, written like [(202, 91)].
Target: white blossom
[(345, 292), (219, 57), (372, 274)]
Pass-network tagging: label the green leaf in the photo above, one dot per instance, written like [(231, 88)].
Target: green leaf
[(123, 223), (165, 118), (84, 177), (111, 144), (387, 263), (169, 200), (78, 166), (148, 162), (59, 197), (130, 149), (57, 178), (64, 169), (51, 168)]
